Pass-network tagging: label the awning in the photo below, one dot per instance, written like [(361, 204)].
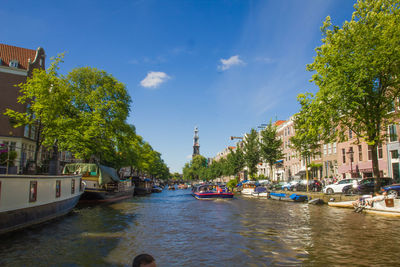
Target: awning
[(279, 161)]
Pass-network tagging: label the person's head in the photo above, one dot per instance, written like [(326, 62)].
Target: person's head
[(144, 260)]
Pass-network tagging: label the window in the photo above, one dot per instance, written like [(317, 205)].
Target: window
[(73, 186), (351, 154), (33, 191), (12, 146), (369, 152), (329, 148), (380, 152), (325, 149), (350, 134), (13, 63), (58, 188), (344, 155), (394, 154), (334, 148), (392, 133), (360, 153), (26, 131)]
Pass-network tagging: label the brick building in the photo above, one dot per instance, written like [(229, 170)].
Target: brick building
[(16, 64)]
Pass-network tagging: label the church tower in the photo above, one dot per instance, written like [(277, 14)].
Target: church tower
[(196, 146)]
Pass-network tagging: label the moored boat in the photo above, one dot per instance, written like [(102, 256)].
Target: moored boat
[(382, 205), (26, 200), (260, 191), (143, 186), (209, 191), (286, 197), (341, 204), (102, 183), (156, 189), (248, 187)]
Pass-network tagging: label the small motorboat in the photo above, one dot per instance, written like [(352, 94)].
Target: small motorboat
[(209, 191), (381, 204), (156, 189), (248, 187), (260, 191), (286, 197)]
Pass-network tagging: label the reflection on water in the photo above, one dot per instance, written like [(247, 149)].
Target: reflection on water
[(179, 230)]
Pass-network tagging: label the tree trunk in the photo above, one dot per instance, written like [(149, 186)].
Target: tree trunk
[(375, 168), (37, 146), (307, 172), (272, 174)]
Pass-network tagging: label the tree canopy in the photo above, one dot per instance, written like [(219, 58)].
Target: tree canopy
[(251, 152), (270, 145), (86, 111), (357, 71)]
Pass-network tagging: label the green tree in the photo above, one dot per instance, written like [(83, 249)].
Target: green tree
[(98, 111), (47, 98), (306, 140), (235, 161), (270, 146), (251, 152), (357, 71)]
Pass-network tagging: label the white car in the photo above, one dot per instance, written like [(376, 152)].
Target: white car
[(338, 186)]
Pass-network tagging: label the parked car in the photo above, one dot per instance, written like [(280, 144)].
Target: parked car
[(366, 186), (313, 185), (392, 190), (338, 186), (290, 185)]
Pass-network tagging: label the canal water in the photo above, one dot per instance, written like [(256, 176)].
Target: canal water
[(179, 230)]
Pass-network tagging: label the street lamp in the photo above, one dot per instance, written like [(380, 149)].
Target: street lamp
[(351, 153)]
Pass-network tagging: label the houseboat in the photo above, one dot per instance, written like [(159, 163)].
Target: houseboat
[(102, 183), (143, 186), (26, 200)]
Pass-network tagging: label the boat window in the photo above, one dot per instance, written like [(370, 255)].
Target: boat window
[(33, 191), (80, 185), (58, 188), (73, 186)]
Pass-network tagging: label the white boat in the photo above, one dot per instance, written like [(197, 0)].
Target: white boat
[(382, 205), (260, 191), (26, 200), (342, 204), (248, 188)]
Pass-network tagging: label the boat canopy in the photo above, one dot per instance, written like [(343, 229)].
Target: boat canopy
[(105, 174)]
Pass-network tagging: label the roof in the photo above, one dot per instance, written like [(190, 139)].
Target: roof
[(22, 55), (277, 123)]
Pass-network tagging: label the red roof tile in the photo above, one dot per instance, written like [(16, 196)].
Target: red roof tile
[(22, 55), (277, 123)]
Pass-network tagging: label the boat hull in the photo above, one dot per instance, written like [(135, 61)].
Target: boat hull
[(212, 195), (18, 219), (94, 196), (291, 198), (27, 200)]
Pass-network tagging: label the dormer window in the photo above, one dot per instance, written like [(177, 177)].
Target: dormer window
[(13, 63)]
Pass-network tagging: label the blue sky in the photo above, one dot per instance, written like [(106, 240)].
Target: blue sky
[(224, 66)]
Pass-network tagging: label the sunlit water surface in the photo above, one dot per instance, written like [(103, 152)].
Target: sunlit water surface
[(179, 230)]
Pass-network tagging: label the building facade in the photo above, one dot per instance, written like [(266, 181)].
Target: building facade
[(16, 64)]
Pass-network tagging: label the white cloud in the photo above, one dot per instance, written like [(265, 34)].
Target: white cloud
[(189, 156), (266, 60), (154, 79), (230, 62)]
